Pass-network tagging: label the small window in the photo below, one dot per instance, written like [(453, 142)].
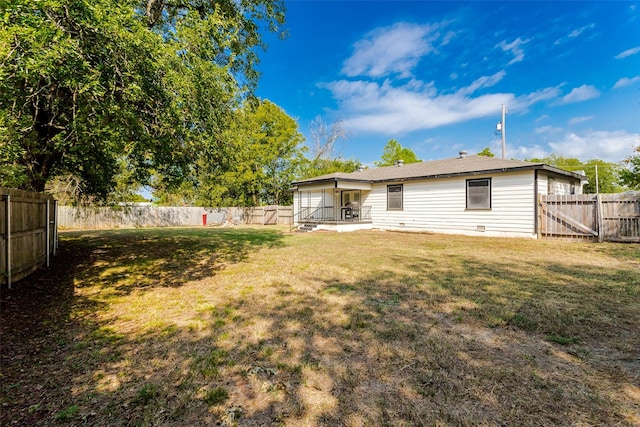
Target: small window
[(479, 193), (551, 186), (394, 197)]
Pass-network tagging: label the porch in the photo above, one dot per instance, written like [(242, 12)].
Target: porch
[(333, 209)]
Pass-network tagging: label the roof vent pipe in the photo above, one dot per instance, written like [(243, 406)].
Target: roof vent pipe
[(463, 153), (399, 162)]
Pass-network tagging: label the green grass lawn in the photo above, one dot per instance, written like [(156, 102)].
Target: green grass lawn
[(258, 326)]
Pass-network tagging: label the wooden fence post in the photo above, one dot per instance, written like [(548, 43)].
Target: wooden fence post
[(600, 218), (55, 227), (538, 219), (7, 227), (47, 228)]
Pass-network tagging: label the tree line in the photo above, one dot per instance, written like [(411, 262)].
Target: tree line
[(100, 98)]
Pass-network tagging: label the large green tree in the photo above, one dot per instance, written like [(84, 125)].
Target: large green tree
[(393, 152), (88, 88), (630, 171), (254, 162), (607, 173)]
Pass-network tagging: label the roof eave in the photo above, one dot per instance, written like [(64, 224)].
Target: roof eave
[(534, 166), (327, 180), (458, 174)]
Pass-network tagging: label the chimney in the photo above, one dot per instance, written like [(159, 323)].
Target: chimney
[(463, 153), (360, 168), (399, 163)]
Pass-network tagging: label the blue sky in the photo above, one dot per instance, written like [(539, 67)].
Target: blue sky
[(433, 75)]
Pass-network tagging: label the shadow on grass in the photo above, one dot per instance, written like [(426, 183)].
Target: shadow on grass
[(461, 342), (457, 347), (128, 260), (51, 336), (37, 334)]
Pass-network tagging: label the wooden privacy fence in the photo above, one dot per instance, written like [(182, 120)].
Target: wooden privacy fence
[(590, 217), (28, 232), (270, 215), (160, 216)]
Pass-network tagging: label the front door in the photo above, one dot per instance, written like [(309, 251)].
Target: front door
[(350, 196)]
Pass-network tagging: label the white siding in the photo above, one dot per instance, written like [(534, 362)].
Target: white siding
[(557, 185), (314, 199), (320, 201), (439, 205), (543, 183)]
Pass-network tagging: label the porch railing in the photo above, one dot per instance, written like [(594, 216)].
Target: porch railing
[(331, 214)]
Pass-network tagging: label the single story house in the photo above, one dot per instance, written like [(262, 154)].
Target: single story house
[(472, 195)]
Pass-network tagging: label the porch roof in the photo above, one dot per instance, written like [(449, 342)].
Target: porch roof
[(335, 183)]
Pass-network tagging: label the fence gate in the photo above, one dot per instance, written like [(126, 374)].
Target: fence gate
[(271, 215), (601, 217)]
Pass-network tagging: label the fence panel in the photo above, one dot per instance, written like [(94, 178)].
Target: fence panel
[(285, 215), (159, 216), (621, 217), (590, 217), (28, 232), (128, 217)]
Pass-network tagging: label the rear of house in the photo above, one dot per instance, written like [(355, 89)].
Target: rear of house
[(473, 195)]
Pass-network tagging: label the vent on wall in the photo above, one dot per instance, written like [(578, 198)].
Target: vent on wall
[(480, 228)]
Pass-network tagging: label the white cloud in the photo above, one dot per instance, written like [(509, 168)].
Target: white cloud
[(548, 130), (611, 146), (388, 109), (580, 119), (628, 52), (484, 81), (525, 101), (626, 82), (524, 152), (579, 94), (391, 50), (513, 48), (575, 33)]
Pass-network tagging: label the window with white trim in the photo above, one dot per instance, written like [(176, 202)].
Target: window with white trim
[(394, 197), (479, 193)]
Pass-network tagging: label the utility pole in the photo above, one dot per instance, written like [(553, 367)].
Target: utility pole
[(504, 132), (501, 127)]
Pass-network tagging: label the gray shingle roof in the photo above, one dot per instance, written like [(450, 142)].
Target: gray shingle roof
[(468, 165)]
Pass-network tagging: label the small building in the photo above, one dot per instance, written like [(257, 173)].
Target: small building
[(472, 195)]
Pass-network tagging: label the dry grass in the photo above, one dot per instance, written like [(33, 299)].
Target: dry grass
[(262, 327)]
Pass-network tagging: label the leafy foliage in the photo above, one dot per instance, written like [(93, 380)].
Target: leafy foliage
[(250, 163), (318, 167), (393, 152), (630, 172), (607, 172), (87, 87), (486, 152)]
